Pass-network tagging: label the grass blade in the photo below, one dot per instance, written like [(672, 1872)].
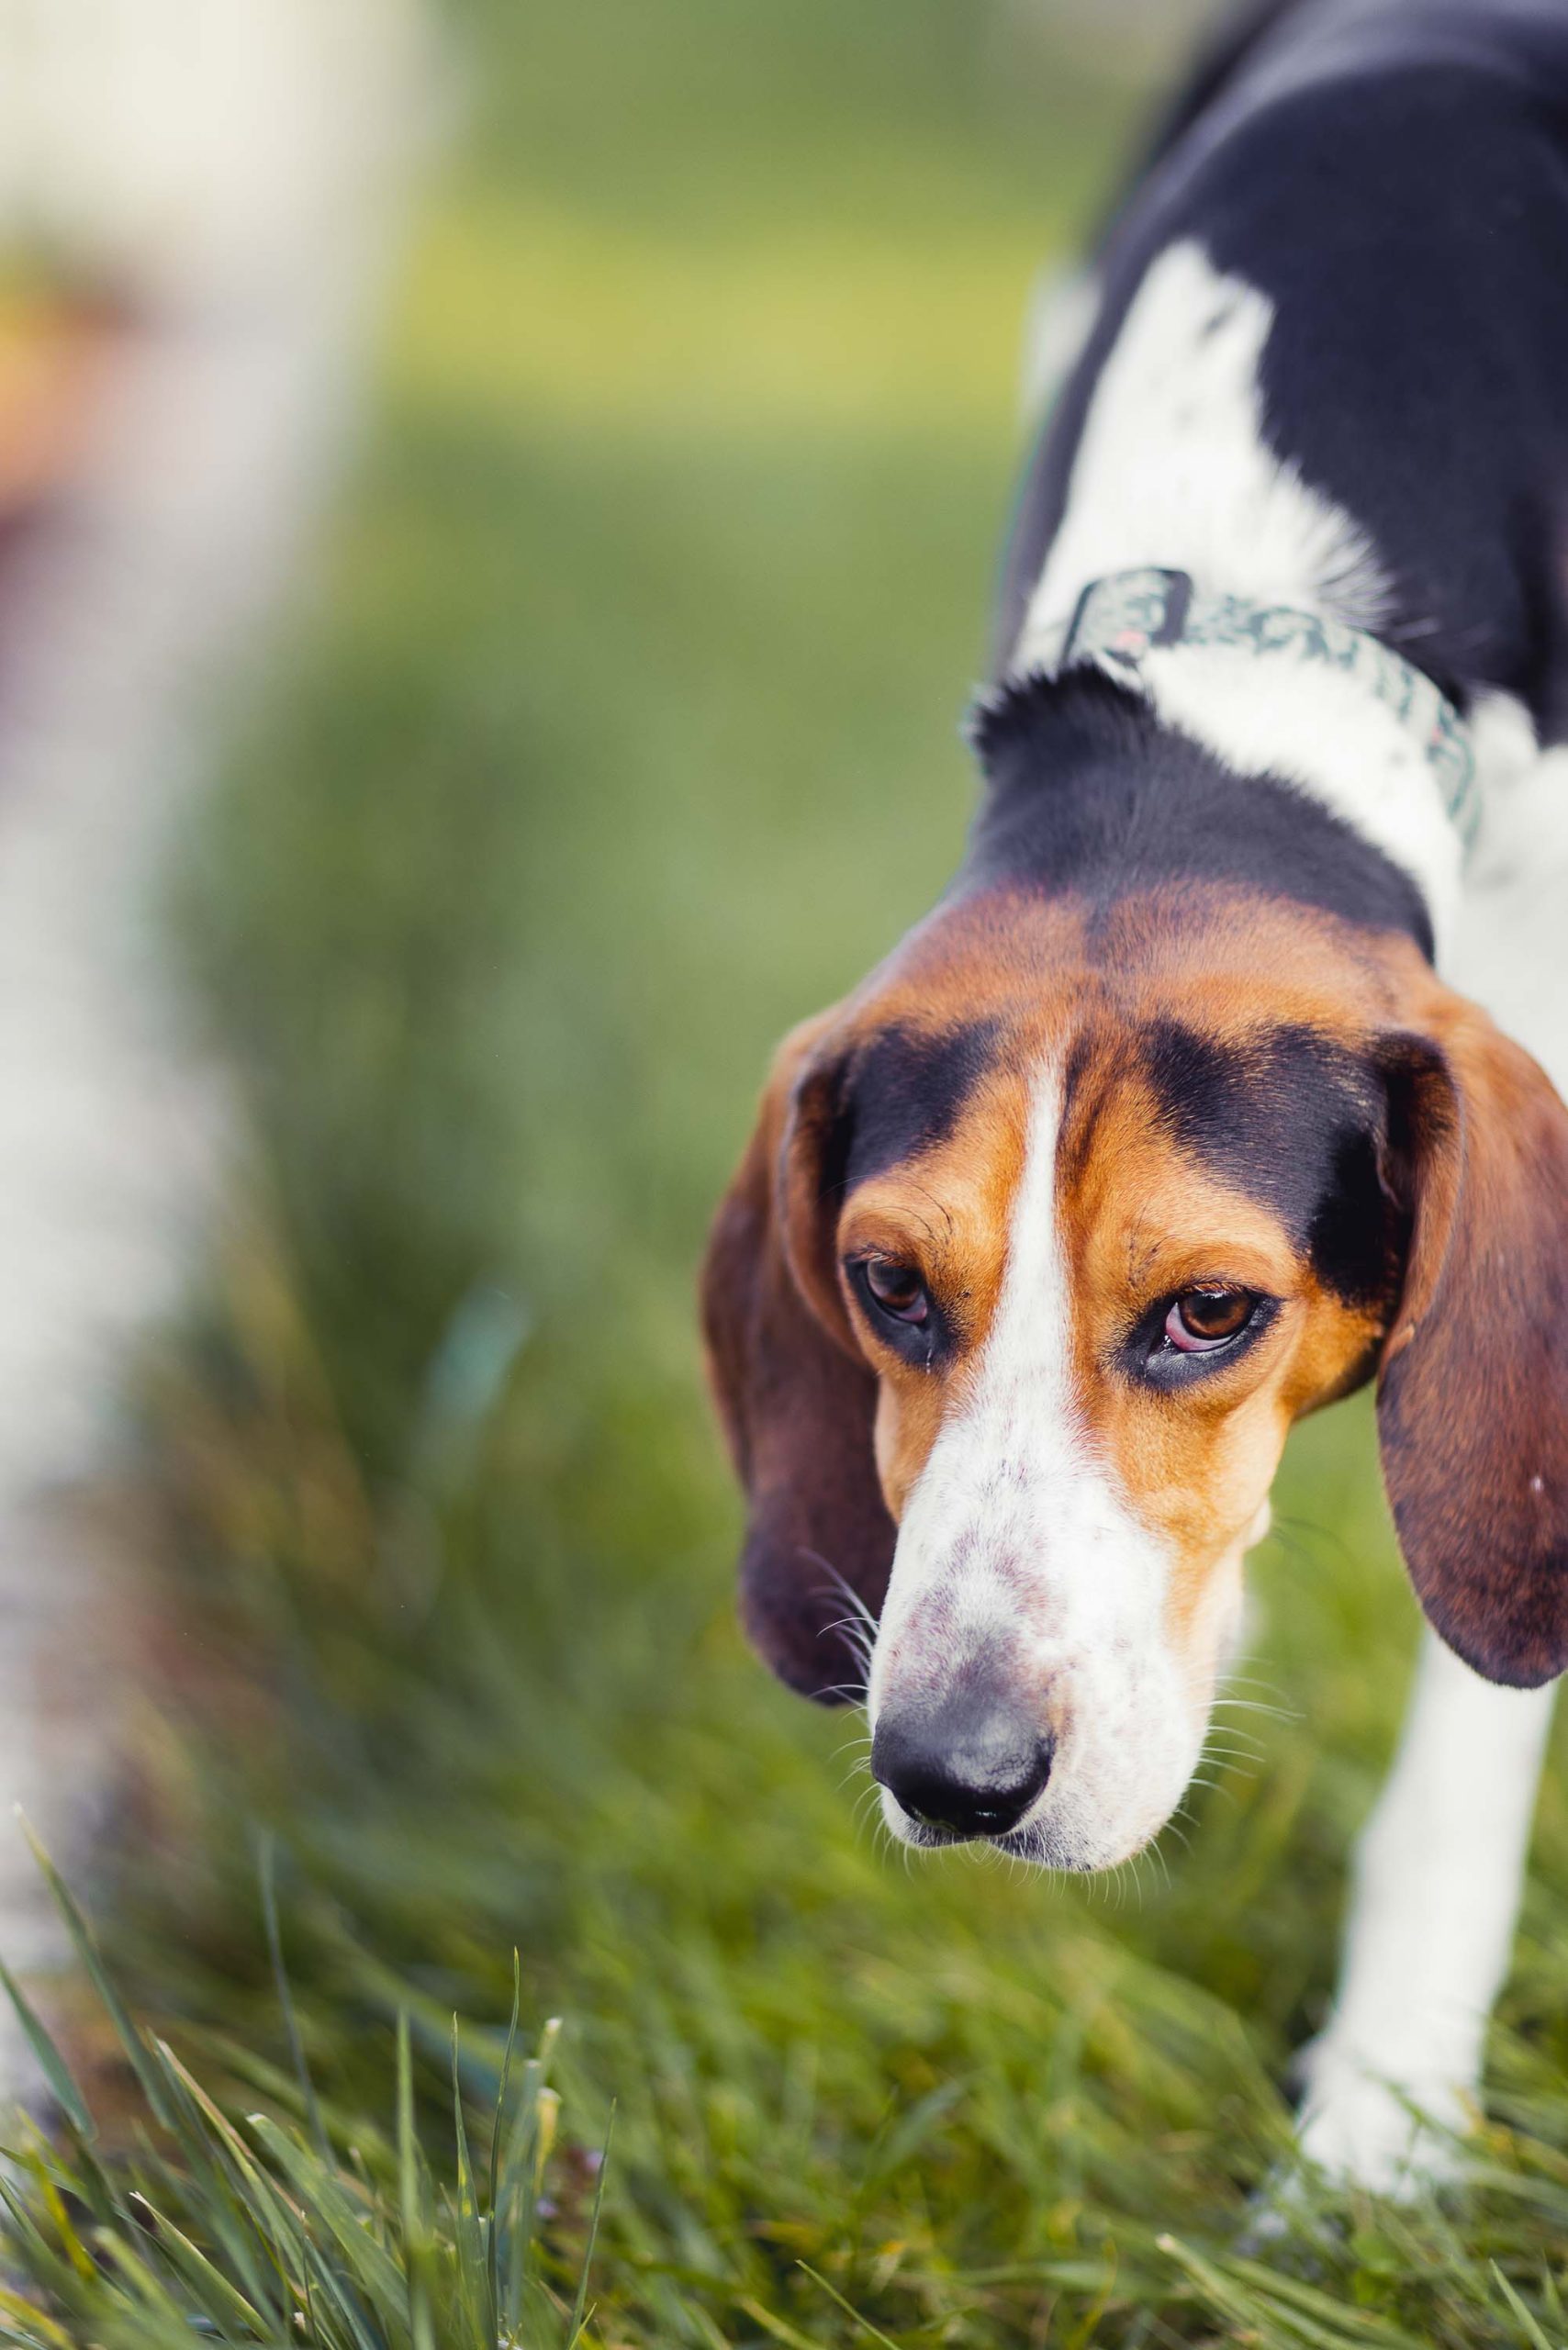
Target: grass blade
[(86, 1950), (411, 2199), (872, 2332), (1533, 2334), (53, 2065), (580, 2304), (266, 1855)]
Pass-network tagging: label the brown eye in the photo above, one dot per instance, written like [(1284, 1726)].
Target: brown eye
[(896, 1290), (1209, 1316)]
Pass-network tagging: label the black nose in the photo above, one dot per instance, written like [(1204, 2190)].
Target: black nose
[(971, 1766)]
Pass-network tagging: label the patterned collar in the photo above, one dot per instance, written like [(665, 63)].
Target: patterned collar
[(1129, 614)]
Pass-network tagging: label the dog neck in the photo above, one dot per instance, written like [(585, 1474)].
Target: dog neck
[(1091, 789), (1295, 695), (1283, 664)]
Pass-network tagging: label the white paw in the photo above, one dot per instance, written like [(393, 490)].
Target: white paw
[(1392, 2137)]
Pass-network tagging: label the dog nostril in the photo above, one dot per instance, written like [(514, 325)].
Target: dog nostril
[(965, 1768)]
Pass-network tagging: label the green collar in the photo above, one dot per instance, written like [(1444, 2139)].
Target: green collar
[(1127, 614)]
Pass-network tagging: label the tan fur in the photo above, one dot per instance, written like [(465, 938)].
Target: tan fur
[(1139, 1218)]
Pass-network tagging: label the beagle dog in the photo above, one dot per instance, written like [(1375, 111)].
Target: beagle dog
[(1228, 1074)]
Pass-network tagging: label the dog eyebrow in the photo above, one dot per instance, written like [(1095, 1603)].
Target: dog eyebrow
[(1291, 1117), (1256, 1087), (903, 1088)]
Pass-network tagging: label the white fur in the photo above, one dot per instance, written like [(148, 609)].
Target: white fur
[(1172, 466), (1173, 469), (1509, 949), (1436, 1891), (1015, 1545), (1319, 729)]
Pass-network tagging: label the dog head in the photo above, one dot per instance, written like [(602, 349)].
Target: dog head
[(1044, 1239)]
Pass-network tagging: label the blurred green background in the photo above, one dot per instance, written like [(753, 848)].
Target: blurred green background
[(617, 730)]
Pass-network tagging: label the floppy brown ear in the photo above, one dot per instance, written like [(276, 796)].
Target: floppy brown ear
[(1472, 1391), (796, 1398)]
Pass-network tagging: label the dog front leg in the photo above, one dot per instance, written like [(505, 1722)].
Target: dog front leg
[(1436, 1880)]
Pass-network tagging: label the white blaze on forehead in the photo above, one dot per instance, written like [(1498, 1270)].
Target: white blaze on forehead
[(1016, 1541), (1018, 1553)]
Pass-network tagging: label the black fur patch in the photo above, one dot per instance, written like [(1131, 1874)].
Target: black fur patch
[(1089, 792), (1294, 1120), (902, 1091)]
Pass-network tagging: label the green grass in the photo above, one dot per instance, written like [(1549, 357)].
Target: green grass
[(619, 731)]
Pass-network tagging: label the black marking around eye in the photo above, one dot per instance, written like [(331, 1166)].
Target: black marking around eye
[(1298, 1122), (920, 1343), (902, 1091), (1167, 1367)]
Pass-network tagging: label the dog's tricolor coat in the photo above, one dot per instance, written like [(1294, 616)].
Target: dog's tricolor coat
[(1186, 1111)]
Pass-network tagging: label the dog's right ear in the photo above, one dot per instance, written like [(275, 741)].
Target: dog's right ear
[(796, 1397), (1473, 1391)]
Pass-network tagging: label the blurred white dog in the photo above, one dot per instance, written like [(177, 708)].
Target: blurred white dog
[(198, 198)]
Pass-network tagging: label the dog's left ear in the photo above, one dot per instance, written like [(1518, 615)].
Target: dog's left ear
[(1472, 1389), (797, 1398)]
